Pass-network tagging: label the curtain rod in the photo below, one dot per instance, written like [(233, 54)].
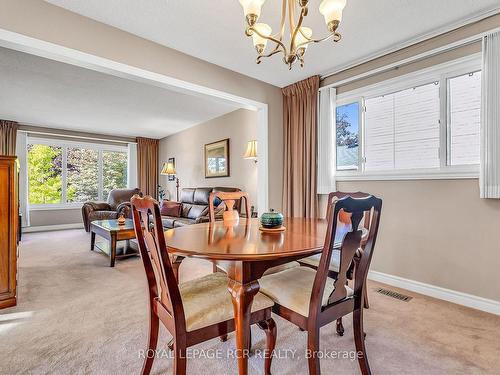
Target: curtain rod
[(409, 60), (75, 136)]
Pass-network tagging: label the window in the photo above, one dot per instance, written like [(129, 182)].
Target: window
[(421, 125), (402, 129), (68, 173), (464, 94), (347, 130), (45, 174)]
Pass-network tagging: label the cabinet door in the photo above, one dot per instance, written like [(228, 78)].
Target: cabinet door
[(8, 230)]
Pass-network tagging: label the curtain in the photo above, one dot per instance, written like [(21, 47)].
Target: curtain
[(327, 152), (8, 133), (22, 157), (489, 179), (300, 102), (147, 165), (132, 166)]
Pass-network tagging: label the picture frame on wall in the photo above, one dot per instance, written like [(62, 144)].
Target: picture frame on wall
[(217, 159)]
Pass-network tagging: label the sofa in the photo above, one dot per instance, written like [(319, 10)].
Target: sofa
[(194, 206), (118, 203)]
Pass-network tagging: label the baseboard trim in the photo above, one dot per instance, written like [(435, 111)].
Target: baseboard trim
[(464, 299), (46, 228)]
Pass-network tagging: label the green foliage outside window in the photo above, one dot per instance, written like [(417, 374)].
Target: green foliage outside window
[(45, 174)]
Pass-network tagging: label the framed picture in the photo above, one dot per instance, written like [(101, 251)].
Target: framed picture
[(171, 177), (217, 159)]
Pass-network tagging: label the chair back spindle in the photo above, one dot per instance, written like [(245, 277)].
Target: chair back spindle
[(229, 199), (355, 248)]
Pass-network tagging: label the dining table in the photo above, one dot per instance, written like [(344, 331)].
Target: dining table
[(245, 253)]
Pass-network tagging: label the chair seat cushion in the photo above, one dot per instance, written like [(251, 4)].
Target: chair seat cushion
[(282, 267), (292, 288), (313, 260), (207, 301)]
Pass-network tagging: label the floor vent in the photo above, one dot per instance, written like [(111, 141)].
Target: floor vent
[(393, 294)]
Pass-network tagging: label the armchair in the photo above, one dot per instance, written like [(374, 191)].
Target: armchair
[(118, 203)]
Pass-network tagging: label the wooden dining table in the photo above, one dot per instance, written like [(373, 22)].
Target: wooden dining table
[(245, 253)]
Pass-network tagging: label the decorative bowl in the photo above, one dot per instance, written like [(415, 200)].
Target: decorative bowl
[(271, 219)]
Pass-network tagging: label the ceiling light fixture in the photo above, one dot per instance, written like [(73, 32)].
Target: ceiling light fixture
[(300, 36)]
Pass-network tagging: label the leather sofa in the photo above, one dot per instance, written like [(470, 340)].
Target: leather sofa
[(118, 203), (194, 206)]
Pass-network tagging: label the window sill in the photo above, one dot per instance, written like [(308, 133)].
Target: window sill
[(472, 173), (52, 207)]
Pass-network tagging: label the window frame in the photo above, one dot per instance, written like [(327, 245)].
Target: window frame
[(65, 144), (440, 73)]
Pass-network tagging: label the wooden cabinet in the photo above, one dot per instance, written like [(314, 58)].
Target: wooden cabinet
[(9, 216)]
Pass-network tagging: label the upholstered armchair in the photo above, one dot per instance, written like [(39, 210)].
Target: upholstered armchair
[(118, 203)]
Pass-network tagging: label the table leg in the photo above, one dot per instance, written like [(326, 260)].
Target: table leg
[(112, 251), (242, 298), (92, 241)]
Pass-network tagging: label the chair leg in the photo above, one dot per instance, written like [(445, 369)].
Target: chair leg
[(214, 268), (340, 327), (359, 340), (365, 298), (269, 327), (154, 326), (180, 360), (312, 351)]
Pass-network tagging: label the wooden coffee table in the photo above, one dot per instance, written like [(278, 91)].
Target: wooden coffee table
[(113, 232)]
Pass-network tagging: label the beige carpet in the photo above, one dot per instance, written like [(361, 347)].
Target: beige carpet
[(78, 316)]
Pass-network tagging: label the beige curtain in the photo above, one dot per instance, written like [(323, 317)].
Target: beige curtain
[(300, 197), (8, 133), (147, 165)]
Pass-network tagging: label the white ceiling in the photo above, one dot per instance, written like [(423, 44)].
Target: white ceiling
[(47, 93), (214, 30)]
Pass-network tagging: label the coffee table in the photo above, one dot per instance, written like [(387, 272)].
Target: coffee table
[(113, 232)]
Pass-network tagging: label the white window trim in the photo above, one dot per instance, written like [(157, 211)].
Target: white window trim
[(71, 144), (441, 73)]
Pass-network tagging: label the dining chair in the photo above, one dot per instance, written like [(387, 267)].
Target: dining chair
[(229, 198), (194, 311), (313, 261), (311, 299)]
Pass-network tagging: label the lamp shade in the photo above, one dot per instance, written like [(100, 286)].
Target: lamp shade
[(252, 6), (168, 169), (251, 152), (303, 36), (263, 29), (332, 10)]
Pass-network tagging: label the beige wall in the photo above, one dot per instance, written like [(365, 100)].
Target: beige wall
[(187, 147), (41, 20), (437, 232)]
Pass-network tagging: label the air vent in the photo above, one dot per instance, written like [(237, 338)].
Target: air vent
[(393, 294)]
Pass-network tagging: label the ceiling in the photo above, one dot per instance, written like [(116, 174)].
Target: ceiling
[(47, 93), (214, 30)]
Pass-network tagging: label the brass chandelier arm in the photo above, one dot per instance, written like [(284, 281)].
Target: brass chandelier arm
[(272, 39), (335, 35), (274, 52), (303, 12)]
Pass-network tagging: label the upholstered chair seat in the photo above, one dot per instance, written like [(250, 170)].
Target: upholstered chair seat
[(313, 260), (292, 288), (282, 267), (207, 301)]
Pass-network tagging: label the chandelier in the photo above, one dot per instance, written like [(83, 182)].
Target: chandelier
[(300, 36)]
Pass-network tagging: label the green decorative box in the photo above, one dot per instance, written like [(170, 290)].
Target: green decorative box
[(271, 219)]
